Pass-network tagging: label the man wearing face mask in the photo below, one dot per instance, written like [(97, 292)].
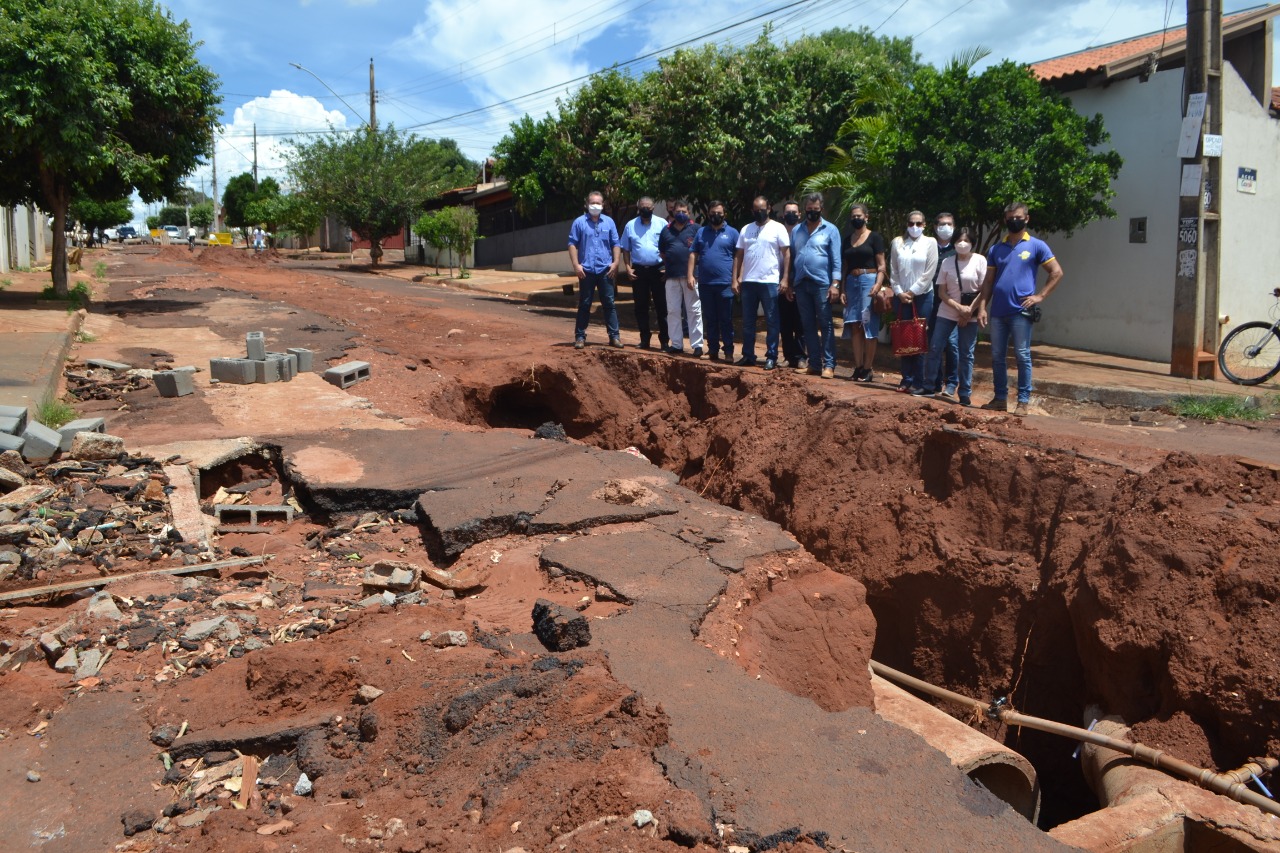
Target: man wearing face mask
[(817, 284), (643, 265), (760, 267), (792, 332), (594, 252), (675, 243), (711, 271), (1009, 301), (945, 376)]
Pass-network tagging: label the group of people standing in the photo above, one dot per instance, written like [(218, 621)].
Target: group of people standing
[(797, 271)]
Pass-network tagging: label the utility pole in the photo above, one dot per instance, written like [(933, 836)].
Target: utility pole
[(255, 156), (217, 208), (373, 100), (1195, 291)]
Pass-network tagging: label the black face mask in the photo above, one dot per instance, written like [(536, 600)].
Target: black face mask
[(762, 216), (646, 212), (857, 222), (716, 219), (1015, 224), (813, 215), (791, 217)]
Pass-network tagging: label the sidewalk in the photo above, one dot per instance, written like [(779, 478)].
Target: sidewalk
[(1062, 373), (36, 336)]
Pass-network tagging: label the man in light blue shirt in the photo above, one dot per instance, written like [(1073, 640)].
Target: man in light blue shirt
[(815, 249), (594, 252), (642, 262)]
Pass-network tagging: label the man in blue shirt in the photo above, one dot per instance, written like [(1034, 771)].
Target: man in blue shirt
[(711, 271), (642, 261), (815, 248), (594, 250), (1009, 299), (675, 243)]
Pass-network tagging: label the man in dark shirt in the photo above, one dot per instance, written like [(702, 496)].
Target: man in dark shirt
[(711, 271), (675, 244), (788, 311)]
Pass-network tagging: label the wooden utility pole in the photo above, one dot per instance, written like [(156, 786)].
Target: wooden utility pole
[(255, 156), (373, 100), (217, 208), (1195, 292)]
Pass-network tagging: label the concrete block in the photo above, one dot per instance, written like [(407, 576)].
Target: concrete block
[(255, 344), (107, 364), (11, 426), (10, 442), (306, 358), (19, 412), (39, 442), (233, 371), (348, 374), (266, 371), (288, 365), (174, 383), (231, 517), (68, 431), (96, 447)]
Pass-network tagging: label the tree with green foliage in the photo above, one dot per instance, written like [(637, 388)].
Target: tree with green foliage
[(712, 122), (1014, 140), (174, 214), (202, 215), (98, 98), (376, 180), (451, 228), (294, 213), (93, 215), (153, 221), (240, 192)]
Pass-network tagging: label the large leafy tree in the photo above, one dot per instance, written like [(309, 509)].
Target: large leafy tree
[(970, 144), (376, 180), (241, 191), (97, 98), (101, 214)]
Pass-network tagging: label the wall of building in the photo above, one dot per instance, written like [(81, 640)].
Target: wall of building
[(502, 249), (24, 238)]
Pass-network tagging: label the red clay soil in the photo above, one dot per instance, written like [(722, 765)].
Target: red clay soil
[(996, 560)]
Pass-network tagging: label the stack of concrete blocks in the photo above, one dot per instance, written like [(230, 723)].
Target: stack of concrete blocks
[(260, 366), (13, 421), (35, 441)]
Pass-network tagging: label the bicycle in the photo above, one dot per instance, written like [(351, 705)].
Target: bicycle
[(1250, 354)]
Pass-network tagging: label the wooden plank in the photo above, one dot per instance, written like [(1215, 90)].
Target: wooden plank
[(71, 586)]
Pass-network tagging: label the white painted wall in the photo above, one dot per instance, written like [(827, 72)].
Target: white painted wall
[(1117, 296), (23, 238)]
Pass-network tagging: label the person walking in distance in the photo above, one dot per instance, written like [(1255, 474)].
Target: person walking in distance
[(675, 243), (594, 253), (760, 267), (913, 259), (789, 328), (643, 264), (864, 275), (1010, 303), (816, 246), (711, 271)]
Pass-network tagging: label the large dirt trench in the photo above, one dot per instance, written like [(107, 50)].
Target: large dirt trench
[(997, 561)]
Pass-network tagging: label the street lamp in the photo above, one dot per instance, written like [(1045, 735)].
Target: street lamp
[(330, 88)]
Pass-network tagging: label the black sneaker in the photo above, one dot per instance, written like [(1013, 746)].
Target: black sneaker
[(697, 352), (580, 343), (745, 362), (866, 375), (674, 350)]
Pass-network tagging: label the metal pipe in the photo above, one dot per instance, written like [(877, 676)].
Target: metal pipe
[(1208, 779)]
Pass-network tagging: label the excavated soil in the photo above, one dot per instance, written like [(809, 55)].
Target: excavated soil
[(998, 560)]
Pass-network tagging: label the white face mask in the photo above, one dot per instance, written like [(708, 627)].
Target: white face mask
[(914, 232), (963, 248), (595, 209), (945, 232)]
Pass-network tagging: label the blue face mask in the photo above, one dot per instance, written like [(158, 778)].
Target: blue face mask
[(682, 217)]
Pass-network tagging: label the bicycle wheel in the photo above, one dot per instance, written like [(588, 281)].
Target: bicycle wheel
[(1250, 355)]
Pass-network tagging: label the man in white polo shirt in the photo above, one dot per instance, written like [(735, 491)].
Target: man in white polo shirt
[(759, 274)]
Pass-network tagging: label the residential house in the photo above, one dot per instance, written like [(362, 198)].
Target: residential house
[(24, 238), (1117, 296)]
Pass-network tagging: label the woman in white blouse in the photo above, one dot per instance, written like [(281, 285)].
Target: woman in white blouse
[(959, 282), (913, 260)]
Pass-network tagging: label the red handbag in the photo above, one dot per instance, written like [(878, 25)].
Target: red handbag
[(909, 337)]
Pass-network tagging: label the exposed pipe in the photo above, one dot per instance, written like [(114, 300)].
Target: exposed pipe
[(1208, 779)]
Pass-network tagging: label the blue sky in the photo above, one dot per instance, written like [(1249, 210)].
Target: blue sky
[(465, 69)]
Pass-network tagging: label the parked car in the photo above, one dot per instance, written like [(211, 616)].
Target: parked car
[(175, 234), (126, 232)]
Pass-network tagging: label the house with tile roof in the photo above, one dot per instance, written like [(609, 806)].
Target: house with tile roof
[(1118, 293)]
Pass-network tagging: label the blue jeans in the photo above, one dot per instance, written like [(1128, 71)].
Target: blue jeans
[(948, 333), (1019, 328), (717, 317), (815, 316), (754, 294), (913, 374), (586, 292), (934, 375)]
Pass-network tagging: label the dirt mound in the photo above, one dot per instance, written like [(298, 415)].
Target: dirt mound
[(215, 257)]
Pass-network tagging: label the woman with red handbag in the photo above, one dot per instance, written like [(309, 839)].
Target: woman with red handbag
[(913, 260)]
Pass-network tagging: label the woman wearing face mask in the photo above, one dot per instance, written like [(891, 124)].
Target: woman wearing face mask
[(913, 260), (864, 274), (960, 280)]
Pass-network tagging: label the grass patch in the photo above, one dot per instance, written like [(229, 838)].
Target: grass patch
[(1218, 408), (83, 337), (77, 296), (100, 270), (54, 413), (5, 282)]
